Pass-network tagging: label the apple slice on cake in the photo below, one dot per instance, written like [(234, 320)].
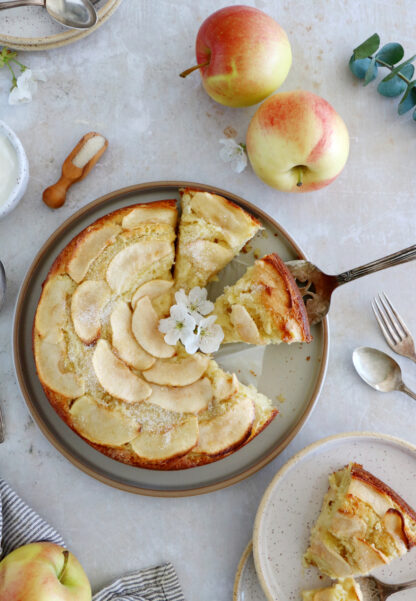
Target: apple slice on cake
[(212, 231), (264, 306), (363, 524), (343, 590)]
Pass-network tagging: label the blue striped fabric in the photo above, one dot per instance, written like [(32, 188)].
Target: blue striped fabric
[(20, 525)]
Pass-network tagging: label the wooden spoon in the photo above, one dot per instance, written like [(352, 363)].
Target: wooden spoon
[(76, 166)]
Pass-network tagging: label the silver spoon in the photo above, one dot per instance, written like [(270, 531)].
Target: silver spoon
[(374, 590), (379, 370), (77, 14)]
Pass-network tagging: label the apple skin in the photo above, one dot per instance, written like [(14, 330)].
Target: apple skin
[(248, 52), (30, 573), (293, 129)]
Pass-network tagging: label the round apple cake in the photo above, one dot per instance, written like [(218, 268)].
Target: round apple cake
[(104, 364)]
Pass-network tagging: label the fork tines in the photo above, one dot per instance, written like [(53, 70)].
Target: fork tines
[(394, 329)]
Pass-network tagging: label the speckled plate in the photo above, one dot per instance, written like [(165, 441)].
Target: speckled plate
[(31, 28), (291, 375), (246, 584), (293, 500)]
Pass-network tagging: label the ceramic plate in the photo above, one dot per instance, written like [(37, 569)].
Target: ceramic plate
[(293, 500), (246, 584), (31, 28), (294, 386)]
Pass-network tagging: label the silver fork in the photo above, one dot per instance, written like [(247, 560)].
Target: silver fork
[(394, 329), (374, 590)]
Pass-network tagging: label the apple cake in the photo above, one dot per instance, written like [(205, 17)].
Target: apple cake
[(343, 590), (363, 524), (265, 306), (101, 359)]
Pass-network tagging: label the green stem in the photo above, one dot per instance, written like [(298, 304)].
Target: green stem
[(400, 75), (188, 71), (300, 177), (23, 67), (14, 80), (62, 572)]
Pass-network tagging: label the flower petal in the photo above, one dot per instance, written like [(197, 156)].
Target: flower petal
[(172, 336)]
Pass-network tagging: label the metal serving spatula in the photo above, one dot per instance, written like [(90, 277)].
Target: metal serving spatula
[(317, 287), (374, 590)]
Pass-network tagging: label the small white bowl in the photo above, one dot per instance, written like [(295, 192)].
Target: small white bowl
[(22, 178)]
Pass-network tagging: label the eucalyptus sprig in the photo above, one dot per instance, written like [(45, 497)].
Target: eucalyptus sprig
[(7, 59), (366, 59)]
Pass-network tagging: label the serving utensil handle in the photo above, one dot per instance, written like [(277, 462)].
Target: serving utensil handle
[(412, 395), (402, 256), (395, 588), (16, 3)]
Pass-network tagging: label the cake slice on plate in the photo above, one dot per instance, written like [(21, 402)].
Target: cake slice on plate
[(212, 231), (343, 590), (264, 306), (363, 524)]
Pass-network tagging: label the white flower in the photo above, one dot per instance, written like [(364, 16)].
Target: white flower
[(179, 326), (210, 334), (233, 153), (26, 86), (196, 302)]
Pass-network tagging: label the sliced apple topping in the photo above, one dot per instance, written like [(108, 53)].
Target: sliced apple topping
[(222, 433), (183, 399), (177, 372), (145, 326), (161, 446), (51, 313), (208, 256), (130, 261), (88, 301), (149, 214), (152, 289), (124, 342), (101, 424), (89, 247), (245, 325), (49, 363), (116, 378), (225, 385)]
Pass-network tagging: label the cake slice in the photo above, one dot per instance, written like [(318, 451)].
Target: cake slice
[(264, 306), (343, 590), (212, 231), (363, 524)]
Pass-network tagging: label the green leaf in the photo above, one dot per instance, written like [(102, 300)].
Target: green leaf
[(368, 47), (396, 86), (399, 68), (391, 53), (408, 100), (360, 67), (370, 74)]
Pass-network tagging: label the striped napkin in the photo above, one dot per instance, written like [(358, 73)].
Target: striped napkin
[(20, 525)]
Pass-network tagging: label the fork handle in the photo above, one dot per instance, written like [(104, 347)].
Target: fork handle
[(402, 256)]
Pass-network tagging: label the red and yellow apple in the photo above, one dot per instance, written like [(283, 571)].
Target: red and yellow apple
[(43, 572), (243, 55), (297, 142)]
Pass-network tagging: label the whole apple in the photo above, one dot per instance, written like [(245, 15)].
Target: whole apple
[(297, 142), (243, 55), (43, 572)]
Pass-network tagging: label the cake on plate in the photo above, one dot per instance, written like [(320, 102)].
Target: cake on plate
[(363, 524), (265, 306), (104, 364), (343, 590)]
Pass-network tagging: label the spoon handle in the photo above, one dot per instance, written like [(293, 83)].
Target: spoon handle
[(407, 390), (402, 256), (16, 3)]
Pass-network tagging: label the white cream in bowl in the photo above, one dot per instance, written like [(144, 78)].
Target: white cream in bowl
[(14, 170)]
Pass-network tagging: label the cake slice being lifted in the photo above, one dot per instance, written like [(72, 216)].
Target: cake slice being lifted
[(363, 524), (264, 306), (343, 590), (212, 231)]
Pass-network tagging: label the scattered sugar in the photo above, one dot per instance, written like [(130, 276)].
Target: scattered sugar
[(88, 151)]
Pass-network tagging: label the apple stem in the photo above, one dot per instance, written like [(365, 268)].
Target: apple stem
[(300, 177), (191, 69), (62, 572)]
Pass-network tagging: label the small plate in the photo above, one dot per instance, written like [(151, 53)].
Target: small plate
[(246, 584), (294, 388), (293, 500), (31, 28)]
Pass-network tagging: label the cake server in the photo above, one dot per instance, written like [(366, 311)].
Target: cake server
[(375, 590), (379, 370), (76, 14), (317, 287)]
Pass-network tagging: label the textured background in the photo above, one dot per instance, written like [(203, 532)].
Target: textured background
[(123, 81)]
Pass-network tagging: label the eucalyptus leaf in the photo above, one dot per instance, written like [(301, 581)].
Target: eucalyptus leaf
[(370, 74), (368, 47), (360, 67), (408, 100), (391, 53), (399, 68), (396, 86)]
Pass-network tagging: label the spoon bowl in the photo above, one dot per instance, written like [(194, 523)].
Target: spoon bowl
[(76, 14)]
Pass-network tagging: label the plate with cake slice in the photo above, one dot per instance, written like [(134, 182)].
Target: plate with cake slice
[(341, 509), (117, 396)]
